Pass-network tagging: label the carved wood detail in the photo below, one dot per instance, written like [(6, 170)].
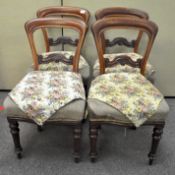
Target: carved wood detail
[(77, 132), (93, 134), (63, 40), (123, 60), (121, 42), (55, 58)]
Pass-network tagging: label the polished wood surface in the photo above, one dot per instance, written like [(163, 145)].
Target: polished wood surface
[(120, 12)]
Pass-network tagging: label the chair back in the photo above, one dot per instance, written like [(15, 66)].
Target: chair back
[(64, 11), (125, 13), (102, 25), (44, 23)]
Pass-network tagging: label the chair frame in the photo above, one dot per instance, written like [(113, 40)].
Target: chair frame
[(63, 11), (98, 29), (124, 13), (31, 26)]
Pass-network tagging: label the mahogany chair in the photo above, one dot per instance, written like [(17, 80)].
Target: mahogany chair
[(102, 113), (71, 114), (123, 12), (66, 12)]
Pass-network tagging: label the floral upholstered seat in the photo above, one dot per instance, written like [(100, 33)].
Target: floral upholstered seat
[(125, 97), (149, 72), (40, 94)]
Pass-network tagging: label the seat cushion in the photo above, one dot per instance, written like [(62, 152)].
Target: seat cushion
[(130, 93), (149, 72), (73, 111), (84, 68), (100, 111), (40, 94)]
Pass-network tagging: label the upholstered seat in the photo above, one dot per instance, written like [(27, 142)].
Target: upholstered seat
[(100, 111), (74, 111), (84, 68), (149, 71)]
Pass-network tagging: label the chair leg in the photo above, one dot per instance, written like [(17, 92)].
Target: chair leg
[(14, 129), (132, 128), (40, 128), (99, 127), (156, 136), (93, 134), (77, 142)]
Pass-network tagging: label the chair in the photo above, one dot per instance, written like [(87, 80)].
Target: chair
[(66, 12), (124, 13), (102, 113), (72, 113)]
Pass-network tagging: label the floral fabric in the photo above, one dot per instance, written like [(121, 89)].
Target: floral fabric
[(130, 93), (41, 93), (126, 68), (54, 66)]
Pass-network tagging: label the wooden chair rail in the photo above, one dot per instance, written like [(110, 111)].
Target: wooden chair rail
[(123, 60), (120, 11), (55, 58), (121, 41), (40, 23), (80, 13), (146, 26), (63, 40)]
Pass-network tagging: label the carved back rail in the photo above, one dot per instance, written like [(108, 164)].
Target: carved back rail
[(56, 11), (119, 12), (120, 41), (55, 58), (100, 26), (123, 60), (63, 40), (43, 23)]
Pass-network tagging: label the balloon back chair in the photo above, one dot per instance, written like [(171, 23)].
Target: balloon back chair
[(103, 113), (70, 114), (65, 12), (122, 12)]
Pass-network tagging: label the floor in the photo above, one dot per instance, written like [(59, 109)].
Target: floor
[(120, 152)]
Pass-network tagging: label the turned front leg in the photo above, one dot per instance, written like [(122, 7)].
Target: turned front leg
[(14, 129), (93, 134), (40, 128), (77, 142), (157, 133)]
